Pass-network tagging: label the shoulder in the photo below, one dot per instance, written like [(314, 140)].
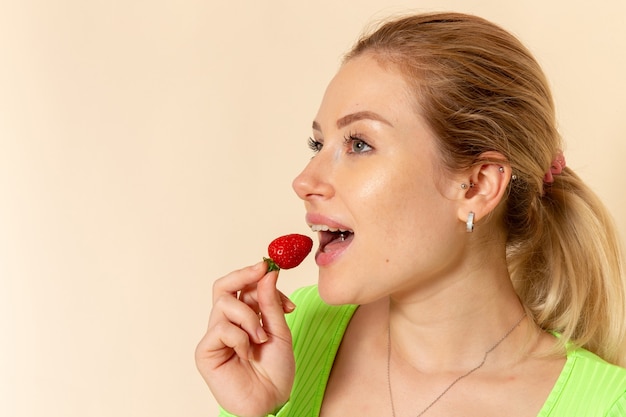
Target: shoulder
[(599, 382), (316, 326), (589, 386), (589, 365), (317, 330)]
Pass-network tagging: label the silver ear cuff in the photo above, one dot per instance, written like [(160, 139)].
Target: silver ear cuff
[(469, 224)]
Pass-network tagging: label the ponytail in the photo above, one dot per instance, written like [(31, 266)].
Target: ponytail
[(568, 269)]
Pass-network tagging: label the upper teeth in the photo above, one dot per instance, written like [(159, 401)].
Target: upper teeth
[(325, 228)]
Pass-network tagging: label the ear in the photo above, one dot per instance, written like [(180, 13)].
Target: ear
[(487, 184)]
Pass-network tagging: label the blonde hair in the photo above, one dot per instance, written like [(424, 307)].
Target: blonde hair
[(480, 90)]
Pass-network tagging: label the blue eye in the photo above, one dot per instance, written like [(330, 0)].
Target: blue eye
[(315, 145), (357, 145)]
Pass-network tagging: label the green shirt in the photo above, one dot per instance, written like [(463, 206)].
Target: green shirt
[(587, 386)]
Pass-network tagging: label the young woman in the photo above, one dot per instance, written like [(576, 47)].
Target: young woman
[(464, 269)]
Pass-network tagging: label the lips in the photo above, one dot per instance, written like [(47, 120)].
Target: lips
[(334, 238)]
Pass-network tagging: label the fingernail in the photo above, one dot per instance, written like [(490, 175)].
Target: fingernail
[(289, 305), (261, 335)]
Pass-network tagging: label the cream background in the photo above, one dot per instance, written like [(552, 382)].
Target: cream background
[(147, 148)]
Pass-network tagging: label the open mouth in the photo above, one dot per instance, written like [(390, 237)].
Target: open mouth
[(331, 238)]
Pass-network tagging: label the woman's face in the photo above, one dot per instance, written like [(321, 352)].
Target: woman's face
[(374, 191)]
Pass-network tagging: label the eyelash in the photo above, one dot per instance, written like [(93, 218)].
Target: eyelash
[(315, 145), (348, 141), (353, 138)]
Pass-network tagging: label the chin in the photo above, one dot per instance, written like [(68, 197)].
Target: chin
[(334, 294)]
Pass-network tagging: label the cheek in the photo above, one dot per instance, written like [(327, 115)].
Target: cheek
[(370, 186), (378, 186), (405, 214)]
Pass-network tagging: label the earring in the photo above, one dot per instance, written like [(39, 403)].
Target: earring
[(464, 186), (501, 169), (470, 222)]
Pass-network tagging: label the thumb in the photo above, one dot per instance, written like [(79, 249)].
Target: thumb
[(271, 306)]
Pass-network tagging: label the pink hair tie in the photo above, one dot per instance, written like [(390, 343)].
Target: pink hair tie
[(556, 167)]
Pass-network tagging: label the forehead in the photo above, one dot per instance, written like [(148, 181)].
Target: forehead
[(363, 84)]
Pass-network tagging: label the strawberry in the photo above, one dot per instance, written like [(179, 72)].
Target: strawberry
[(288, 251)]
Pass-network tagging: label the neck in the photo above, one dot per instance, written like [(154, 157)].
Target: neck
[(451, 327)]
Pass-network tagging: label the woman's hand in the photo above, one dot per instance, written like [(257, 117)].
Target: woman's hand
[(246, 356)]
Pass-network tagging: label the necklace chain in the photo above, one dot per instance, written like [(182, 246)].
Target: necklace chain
[(453, 383)]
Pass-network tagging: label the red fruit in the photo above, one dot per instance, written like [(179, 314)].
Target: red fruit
[(288, 251)]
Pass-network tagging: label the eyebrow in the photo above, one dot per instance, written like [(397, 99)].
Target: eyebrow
[(354, 117)]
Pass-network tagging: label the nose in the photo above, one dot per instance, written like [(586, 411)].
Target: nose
[(314, 182)]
